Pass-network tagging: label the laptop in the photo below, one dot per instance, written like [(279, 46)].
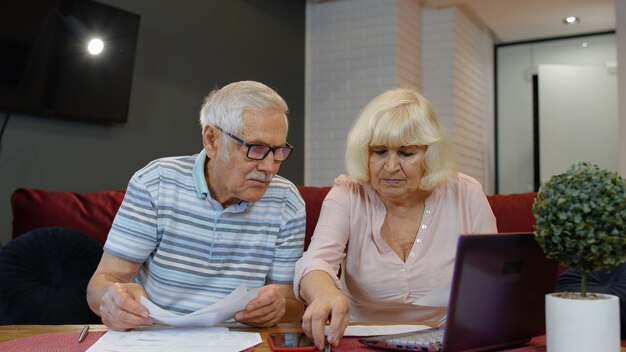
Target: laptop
[(497, 297)]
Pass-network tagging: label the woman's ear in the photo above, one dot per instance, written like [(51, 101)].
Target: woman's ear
[(210, 140)]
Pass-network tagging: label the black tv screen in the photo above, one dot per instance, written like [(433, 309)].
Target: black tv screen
[(47, 69)]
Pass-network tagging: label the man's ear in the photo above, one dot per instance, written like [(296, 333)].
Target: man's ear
[(210, 140)]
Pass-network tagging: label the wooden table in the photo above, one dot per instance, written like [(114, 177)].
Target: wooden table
[(11, 332)]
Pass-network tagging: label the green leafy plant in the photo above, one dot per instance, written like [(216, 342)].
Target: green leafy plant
[(581, 219)]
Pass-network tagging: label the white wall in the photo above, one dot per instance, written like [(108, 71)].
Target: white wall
[(439, 42), (577, 118), (358, 48), (515, 66), (457, 52), (351, 56)]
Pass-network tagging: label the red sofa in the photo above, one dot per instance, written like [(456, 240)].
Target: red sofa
[(93, 213)]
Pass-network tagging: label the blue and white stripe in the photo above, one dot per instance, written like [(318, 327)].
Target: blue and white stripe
[(194, 251)]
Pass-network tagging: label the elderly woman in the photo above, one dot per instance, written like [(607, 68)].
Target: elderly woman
[(392, 225)]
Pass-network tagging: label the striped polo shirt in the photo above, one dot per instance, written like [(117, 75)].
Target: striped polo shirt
[(194, 251)]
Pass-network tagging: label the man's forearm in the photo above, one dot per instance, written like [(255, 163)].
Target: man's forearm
[(110, 271), (96, 288)]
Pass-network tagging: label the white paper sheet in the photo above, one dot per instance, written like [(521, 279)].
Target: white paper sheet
[(373, 330), (212, 315), (167, 339)]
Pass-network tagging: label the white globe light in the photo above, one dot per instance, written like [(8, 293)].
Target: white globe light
[(95, 46)]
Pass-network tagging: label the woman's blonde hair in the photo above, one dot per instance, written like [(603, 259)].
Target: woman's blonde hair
[(400, 117)]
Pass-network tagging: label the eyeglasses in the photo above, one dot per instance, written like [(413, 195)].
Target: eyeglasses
[(260, 151)]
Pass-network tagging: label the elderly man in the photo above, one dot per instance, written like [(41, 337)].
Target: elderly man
[(191, 229)]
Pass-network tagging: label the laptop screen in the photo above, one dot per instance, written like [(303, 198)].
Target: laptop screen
[(498, 291), (497, 296)]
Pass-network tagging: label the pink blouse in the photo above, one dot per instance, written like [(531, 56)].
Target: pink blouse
[(379, 285)]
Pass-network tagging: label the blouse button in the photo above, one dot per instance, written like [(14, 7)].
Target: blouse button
[(424, 226), (419, 240), (412, 254), (219, 237), (403, 268), (427, 211)]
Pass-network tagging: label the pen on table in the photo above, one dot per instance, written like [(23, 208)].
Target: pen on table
[(83, 333)]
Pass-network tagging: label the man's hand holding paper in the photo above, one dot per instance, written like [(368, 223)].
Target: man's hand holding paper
[(209, 316), (264, 310), (120, 308)]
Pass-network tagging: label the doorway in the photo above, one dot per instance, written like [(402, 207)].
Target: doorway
[(576, 119), (518, 153)]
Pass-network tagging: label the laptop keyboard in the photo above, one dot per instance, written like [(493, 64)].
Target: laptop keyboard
[(423, 338)]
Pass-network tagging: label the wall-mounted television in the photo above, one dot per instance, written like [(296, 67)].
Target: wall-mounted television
[(50, 65)]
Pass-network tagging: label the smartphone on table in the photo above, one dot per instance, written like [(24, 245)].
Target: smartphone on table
[(291, 342)]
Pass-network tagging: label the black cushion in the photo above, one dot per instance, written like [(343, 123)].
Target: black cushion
[(612, 282), (44, 275)]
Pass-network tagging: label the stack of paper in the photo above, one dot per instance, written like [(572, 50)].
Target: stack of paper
[(176, 339)]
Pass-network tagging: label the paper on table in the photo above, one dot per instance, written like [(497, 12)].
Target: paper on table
[(438, 297), (212, 315), (373, 330), (167, 339)]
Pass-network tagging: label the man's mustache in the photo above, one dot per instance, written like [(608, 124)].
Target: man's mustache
[(260, 176)]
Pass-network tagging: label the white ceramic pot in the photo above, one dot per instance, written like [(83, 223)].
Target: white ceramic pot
[(582, 324)]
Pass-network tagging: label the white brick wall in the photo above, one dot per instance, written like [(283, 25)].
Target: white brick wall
[(469, 92), (351, 57), (355, 49), (409, 45), (454, 79), (438, 41)]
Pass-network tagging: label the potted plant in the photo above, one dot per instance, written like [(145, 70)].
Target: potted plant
[(581, 222)]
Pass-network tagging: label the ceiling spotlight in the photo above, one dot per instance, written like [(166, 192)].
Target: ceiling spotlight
[(585, 44), (571, 20), (95, 46)]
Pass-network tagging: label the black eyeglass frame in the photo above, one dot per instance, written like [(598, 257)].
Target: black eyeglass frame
[(251, 145)]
